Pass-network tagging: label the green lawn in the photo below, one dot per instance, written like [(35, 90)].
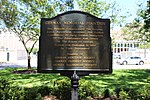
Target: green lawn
[(119, 78)]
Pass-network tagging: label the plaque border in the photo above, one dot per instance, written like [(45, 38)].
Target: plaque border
[(42, 57)]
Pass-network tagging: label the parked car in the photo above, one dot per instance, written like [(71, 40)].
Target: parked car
[(131, 60)]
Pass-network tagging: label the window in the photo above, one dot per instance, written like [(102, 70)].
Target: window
[(118, 45), (121, 45), (125, 45)]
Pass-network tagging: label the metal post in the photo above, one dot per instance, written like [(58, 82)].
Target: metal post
[(7, 56), (74, 86)]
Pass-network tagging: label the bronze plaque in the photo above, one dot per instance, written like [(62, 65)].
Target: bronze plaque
[(75, 41)]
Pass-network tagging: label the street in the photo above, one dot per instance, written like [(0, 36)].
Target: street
[(117, 66), (23, 63), (133, 66)]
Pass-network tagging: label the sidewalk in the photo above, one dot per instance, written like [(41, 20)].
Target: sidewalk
[(18, 64)]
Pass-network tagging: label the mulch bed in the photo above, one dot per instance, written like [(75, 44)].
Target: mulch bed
[(96, 98), (28, 71), (101, 98)]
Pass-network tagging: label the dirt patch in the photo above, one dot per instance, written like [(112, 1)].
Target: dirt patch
[(49, 98)]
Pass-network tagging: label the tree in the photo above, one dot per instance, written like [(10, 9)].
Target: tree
[(23, 18), (140, 27), (28, 35), (145, 14), (133, 30), (102, 9), (22, 24), (8, 13)]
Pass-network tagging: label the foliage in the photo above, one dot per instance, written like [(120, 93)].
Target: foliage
[(23, 18), (9, 12), (87, 89), (145, 15), (123, 95), (34, 51), (139, 29), (7, 92), (102, 9), (36, 93), (144, 92), (64, 5), (148, 79), (21, 22), (62, 89), (48, 9), (133, 31)]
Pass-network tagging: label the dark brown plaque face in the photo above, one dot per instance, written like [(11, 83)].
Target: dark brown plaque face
[(75, 41)]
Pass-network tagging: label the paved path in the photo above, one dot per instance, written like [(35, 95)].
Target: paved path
[(117, 66), (17, 64)]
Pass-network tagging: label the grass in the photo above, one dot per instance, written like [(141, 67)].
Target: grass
[(27, 80), (119, 78)]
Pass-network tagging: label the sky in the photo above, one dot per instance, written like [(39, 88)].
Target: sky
[(130, 6)]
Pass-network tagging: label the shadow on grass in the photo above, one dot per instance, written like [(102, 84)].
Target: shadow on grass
[(28, 79), (120, 78)]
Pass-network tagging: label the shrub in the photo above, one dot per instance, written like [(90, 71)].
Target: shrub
[(148, 79), (44, 90), (123, 95), (30, 93), (36, 93), (7, 92), (62, 89), (87, 89), (141, 93), (134, 94), (144, 92), (39, 97)]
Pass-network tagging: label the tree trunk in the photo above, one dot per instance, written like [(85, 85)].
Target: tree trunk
[(29, 61)]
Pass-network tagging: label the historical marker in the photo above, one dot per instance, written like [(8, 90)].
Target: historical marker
[(75, 41)]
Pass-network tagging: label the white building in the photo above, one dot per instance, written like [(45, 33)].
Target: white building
[(123, 48), (11, 49), (129, 48)]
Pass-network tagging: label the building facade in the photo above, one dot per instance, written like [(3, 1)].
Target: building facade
[(122, 48), (11, 49)]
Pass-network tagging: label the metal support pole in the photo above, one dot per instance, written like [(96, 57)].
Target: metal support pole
[(74, 86), (144, 41), (144, 50)]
